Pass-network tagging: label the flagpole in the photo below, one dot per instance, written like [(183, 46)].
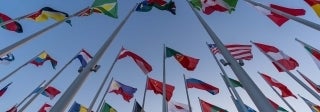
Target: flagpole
[(145, 91), (47, 84), (297, 19), (101, 101), (10, 74), (30, 94), (185, 85), (291, 75), (164, 101), (200, 104), (103, 82), (33, 36), (306, 78), (235, 103), (134, 105), (279, 95), (252, 89), (63, 102), (15, 19)]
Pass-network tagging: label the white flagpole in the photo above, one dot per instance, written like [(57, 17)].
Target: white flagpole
[(103, 82), (279, 94), (11, 47), (64, 101), (30, 94), (292, 75), (102, 100), (297, 19), (252, 89), (46, 85), (164, 101), (145, 91), (185, 85)]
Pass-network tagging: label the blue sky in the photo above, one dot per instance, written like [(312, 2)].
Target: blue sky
[(145, 33)]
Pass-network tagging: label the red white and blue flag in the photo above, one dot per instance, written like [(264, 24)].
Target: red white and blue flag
[(119, 88), (195, 83), (84, 57)]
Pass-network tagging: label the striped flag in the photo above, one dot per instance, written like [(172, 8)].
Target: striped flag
[(238, 51)]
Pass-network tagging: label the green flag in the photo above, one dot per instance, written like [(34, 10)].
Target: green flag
[(107, 7), (196, 4), (235, 83), (107, 108)]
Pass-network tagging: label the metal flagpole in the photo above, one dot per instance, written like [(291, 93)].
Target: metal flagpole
[(10, 74), (47, 84), (145, 91), (11, 47), (103, 82), (279, 95), (30, 94), (63, 102), (252, 89), (102, 100), (235, 103), (15, 19), (200, 104), (185, 85), (297, 19), (292, 75), (164, 101)]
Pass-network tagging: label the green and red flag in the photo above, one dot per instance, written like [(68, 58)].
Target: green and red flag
[(187, 62)]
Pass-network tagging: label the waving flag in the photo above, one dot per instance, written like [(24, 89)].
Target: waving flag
[(277, 107), (315, 4), (47, 12), (13, 109), (40, 59), (107, 108), (286, 61), (50, 92), (76, 107), (238, 51), (235, 83), (313, 107), (4, 89), (146, 6), (137, 107), (84, 57), (107, 7), (156, 86), (285, 92), (144, 65), (209, 6), (45, 108), (174, 106), (124, 90), (207, 107), (187, 62), (13, 26), (195, 83), (7, 58)]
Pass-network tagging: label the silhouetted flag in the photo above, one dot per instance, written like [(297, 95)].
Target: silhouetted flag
[(238, 51), (137, 107), (50, 92), (287, 62), (144, 65), (76, 107), (13, 26), (45, 108), (195, 83), (107, 108), (313, 107), (315, 4), (207, 107), (285, 92), (13, 109), (106, 7), (156, 86), (4, 89), (124, 90), (84, 57), (40, 59), (47, 12), (209, 6), (187, 62)]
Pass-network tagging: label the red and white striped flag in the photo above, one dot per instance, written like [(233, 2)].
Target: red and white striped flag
[(238, 51)]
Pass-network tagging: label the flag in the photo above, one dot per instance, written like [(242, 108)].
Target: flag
[(146, 6), (285, 92), (209, 6), (195, 83), (313, 107), (207, 107), (315, 4), (107, 108), (50, 92), (107, 7), (45, 108), (279, 19), (174, 106), (314, 54), (44, 56), (7, 58), (12, 26), (171, 7), (47, 12), (187, 62), (238, 51), (312, 84), (235, 83), (249, 109), (76, 107), (4, 89), (144, 65), (137, 107), (13, 109), (277, 107), (84, 57), (124, 90), (287, 62), (156, 86)]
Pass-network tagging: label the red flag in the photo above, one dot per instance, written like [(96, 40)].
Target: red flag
[(13, 109), (13, 26), (156, 86), (187, 62), (286, 61), (45, 108), (313, 85), (285, 92), (144, 65), (238, 51), (50, 92)]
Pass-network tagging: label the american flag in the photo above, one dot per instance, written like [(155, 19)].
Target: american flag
[(238, 51)]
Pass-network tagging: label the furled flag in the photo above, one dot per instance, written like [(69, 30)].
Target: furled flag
[(313, 107), (137, 107), (76, 107), (315, 54), (146, 6), (235, 83), (174, 106), (156, 86), (45, 108), (287, 62), (238, 51), (209, 6), (84, 57), (279, 19), (144, 65), (50, 92), (44, 56), (315, 4), (47, 12), (13, 109), (12, 26), (285, 92), (107, 7), (124, 90), (7, 58), (4, 89), (277, 107), (312, 84), (207, 107), (187, 62), (195, 83), (107, 108)]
